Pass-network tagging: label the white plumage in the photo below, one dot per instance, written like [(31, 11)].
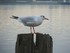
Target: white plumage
[(31, 21)]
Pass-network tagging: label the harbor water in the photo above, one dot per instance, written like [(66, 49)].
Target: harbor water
[(58, 25)]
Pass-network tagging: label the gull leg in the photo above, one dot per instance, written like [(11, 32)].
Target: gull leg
[(31, 30), (34, 30), (34, 36)]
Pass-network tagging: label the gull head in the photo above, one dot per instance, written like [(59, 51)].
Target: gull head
[(14, 17), (44, 18)]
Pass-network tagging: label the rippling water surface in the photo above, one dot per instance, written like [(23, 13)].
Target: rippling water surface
[(58, 25)]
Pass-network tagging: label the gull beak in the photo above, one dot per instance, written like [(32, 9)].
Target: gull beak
[(46, 18)]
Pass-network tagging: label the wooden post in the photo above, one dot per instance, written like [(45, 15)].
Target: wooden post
[(25, 44)]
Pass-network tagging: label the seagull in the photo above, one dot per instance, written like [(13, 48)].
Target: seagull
[(31, 21)]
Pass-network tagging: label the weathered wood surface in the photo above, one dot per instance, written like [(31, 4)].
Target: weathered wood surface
[(24, 43)]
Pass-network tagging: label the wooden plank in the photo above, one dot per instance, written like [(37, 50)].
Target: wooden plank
[(24, 43)]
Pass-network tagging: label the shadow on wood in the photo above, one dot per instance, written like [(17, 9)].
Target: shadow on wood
[(24, 43)]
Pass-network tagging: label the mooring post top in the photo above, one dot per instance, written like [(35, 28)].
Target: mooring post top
[(25, 44), (32, 34)]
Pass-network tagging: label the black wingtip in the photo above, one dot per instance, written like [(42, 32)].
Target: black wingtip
[(14, 17)]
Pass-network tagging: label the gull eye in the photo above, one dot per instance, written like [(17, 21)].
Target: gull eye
[(42, 16)]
